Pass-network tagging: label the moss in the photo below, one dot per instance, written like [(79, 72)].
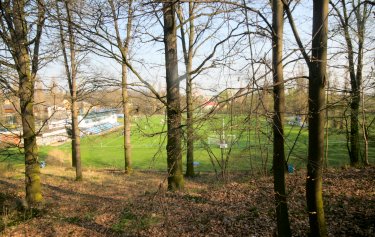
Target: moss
[(73, 220), (195, 199), (128, 221), (33, 187), (14, 213), (176, 182), (129, 170)]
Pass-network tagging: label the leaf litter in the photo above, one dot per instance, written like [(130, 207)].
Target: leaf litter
[(109, 203)]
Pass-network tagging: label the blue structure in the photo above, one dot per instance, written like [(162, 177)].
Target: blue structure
[(101, 128), (42, 164), (290, 168)]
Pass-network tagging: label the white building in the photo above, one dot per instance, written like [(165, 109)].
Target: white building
[(92, 123)]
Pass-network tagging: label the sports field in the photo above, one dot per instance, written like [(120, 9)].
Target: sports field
[(246, 148)]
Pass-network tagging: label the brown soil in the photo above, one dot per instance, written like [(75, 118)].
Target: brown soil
[(108, 203)]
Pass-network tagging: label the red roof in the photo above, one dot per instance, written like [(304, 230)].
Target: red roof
[(9, 108), (210, 103)]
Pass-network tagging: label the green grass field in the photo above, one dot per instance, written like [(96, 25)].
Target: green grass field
[(248, 150)]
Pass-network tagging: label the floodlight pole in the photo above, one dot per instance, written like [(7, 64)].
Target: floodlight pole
[(222, 148), (223, 133)]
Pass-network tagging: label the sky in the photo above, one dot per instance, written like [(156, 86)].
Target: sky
[(147, 56)]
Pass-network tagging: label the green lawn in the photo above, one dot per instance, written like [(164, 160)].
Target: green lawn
[(249, 148)]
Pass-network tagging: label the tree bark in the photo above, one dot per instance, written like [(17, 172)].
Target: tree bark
[(124, 49), (354, 123), (361, 18), (188, 59), (26, 65), (174, 156), (125, 97), (317, 82), (354, 93), (71, 73), (355, 71), (279, 163), (26, 91), (125, 107), (189, 126), (76, 139), (365, 131)]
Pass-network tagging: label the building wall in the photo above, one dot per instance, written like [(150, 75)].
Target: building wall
[(97, 120)]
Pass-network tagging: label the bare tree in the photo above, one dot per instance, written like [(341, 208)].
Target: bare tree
[(101, 29), (23, 39), (188, 51), (279, 162), (71, 68), (317, 81), (193, 38), (123, 46), (357, 14), (174, 155)]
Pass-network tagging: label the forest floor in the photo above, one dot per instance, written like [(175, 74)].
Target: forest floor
[(108, 203)]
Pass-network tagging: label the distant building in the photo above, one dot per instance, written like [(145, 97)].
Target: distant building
[(95, 123), (209, 105), (10, 114), (8, 138), (58, 112), (54, 122), (50, 136), (82, 106)]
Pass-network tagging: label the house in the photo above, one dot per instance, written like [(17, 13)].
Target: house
[(10, 114), (209, 105), (10, 138), (83, 106), (57, 112)]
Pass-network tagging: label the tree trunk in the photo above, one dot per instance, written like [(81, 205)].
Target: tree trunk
[(279, 163), (124, 49), (356, 97), (26, 91), (125, 97), (188, 59), (317, 82), (76, 139), (354, 94), (355, 73), (174, 156), (189, 128), (365, 131), (354, 125), (26, 94), (26, 63), (71, 73), (325, 163), (125, 104)]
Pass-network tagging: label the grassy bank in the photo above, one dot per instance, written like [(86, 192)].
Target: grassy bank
[(248, 147)]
